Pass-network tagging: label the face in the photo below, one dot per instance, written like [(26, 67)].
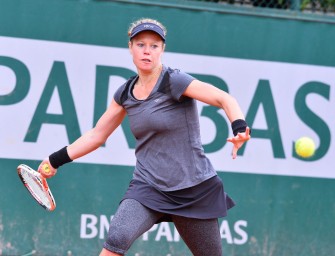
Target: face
[(147, 48)]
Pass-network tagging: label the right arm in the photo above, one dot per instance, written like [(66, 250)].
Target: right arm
[(95, 137), (92, 139)]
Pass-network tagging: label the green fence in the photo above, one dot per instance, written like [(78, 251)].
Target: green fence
[(314, 6)]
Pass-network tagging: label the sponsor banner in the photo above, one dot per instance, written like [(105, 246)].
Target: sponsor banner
[(269, 219), (52, 92), (93, 226)]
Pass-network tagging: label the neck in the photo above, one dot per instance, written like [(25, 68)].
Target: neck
[(147, 79)]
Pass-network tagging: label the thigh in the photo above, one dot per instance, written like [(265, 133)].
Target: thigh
[(130, 221), (201, 236)]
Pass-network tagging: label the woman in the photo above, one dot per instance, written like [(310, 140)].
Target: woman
[(173, 180)]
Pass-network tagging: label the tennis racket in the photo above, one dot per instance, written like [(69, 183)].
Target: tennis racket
[(37, 186)]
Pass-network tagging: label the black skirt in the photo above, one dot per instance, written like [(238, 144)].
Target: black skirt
[(206, 200)]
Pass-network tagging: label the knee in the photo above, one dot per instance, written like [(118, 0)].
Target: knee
[(118, 240), (105, 252)]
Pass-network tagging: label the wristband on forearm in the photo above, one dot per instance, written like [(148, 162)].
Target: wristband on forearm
[(59, 158), (239, 125)]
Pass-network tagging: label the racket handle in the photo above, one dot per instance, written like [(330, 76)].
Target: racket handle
[(46, 170), (44, 183)]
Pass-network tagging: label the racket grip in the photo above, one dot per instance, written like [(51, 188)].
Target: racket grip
[(44, 183), (46, 170)]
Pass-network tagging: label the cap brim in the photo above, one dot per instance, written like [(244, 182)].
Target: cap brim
[(147, 27)]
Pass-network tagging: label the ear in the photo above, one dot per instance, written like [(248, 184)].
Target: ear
[(130, 44)]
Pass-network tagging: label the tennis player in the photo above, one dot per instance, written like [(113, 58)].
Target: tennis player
[(173, 180)]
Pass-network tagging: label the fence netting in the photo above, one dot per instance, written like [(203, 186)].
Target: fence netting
[(308, 6)]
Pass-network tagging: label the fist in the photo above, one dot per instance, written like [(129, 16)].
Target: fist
[(46, 170)]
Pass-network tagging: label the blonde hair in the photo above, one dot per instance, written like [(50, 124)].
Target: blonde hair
[(146, 20)]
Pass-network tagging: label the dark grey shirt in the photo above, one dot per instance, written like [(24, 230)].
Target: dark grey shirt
[(169, 151)]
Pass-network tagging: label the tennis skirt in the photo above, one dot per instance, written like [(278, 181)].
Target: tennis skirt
[(206, 200)]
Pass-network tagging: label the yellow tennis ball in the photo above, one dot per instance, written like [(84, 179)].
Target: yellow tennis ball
[(305, 147), (46, 168)]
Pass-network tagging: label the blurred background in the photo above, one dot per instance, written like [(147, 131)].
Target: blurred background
[(61, 62)]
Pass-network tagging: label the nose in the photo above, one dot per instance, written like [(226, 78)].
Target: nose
[(147, 49)]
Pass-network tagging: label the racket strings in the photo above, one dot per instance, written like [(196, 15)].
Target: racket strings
[(35, 186)]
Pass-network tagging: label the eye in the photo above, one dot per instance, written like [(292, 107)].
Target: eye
[(140, 45), (155, 46)]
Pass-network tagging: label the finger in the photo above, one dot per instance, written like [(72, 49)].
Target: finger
[(234, 155), (44, 175), (247, 130), (47, 176), (46, 171)]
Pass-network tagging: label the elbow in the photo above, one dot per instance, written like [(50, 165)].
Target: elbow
[(97, 139)]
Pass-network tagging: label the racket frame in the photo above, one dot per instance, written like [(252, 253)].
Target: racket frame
[(41, 182)]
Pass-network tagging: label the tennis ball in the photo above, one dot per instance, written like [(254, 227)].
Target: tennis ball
[(305, 147), (46, 168)]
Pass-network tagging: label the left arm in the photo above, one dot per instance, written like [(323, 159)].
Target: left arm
[(212, 95)]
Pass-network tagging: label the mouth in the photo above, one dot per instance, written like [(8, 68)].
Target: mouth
[(146, 60)]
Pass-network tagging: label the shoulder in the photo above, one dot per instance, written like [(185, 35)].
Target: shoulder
[(176, 76), (179, 77), (121, 93), (175, 82), (174, 72)]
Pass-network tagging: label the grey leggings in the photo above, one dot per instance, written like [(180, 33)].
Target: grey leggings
[(132, 219)]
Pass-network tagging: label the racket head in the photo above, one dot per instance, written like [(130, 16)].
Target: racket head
[(37, 186)]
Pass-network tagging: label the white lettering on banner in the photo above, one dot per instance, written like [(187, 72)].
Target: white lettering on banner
[(89, 228), (270, 93), (92, 226)]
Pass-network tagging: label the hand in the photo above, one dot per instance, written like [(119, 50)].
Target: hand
[(239, 140), (46, 169)]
